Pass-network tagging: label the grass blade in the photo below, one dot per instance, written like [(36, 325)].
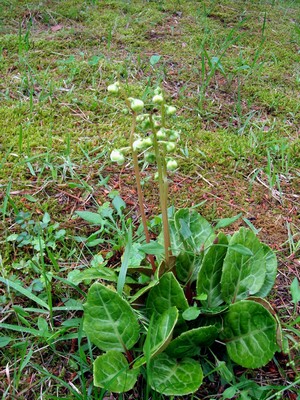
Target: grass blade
[(25, 292)]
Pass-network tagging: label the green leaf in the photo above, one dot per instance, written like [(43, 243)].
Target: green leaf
[(166, 294), (193, 229), (244, 272), (24, 292), (91, 217), (107, 274), (174, 378), (119, 204), (191, 313), (143, 290), (295, 291), (188, 343), (222, 223), (250, 334), (209, 276), (22, 329), (5, 340), (271, 272), (187, 266), (239, 248), (154, 59), (109, 321), (152, 248), (125, 262), (43, 327), (159, 332), (112, 372)]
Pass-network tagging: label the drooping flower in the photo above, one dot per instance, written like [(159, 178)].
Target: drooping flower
[(117, 156), (171, 165), (114, 88), (136, 104), (170, 110)]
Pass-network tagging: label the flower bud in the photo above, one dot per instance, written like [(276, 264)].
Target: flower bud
[(157, 91), (141, 144), (147, 142), (170, 146), (156, 121), (136, 104), (114, 88), (161, 134), (149, 157), (174, 135), (117, 156), (157, 99), (170, 110), (142, 117), (172, 165), (137, 144)]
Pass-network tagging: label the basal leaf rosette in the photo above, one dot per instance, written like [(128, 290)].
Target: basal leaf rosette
[(173, 377), (109, 321), (249, 332)]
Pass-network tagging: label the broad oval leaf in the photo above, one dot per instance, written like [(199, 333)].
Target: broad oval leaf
[(109, 321), (193, 229), (271, 272), (112, 372), (250, 334), (187, 266), (174, 378), (166, 294), (160, 332), (189, 343), (209, 276), (243, 274)]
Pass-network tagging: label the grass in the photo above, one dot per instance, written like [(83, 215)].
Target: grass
[(231, 69)]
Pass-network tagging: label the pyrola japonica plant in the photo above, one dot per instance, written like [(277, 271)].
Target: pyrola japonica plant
[(194, 297)]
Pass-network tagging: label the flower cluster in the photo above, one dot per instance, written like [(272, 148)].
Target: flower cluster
[(152, 126)]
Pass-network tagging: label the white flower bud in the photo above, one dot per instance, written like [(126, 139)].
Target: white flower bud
[(114, 88), (137, 144), (141, 144), (170, 110), (157, 91), (172, 165), (136, 104), (157, 121), (157, 99), (117, 156), (161, 134), (170, 146), (142, 117)]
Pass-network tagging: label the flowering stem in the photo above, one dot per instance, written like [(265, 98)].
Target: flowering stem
[(163, 193), (139, 188)]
